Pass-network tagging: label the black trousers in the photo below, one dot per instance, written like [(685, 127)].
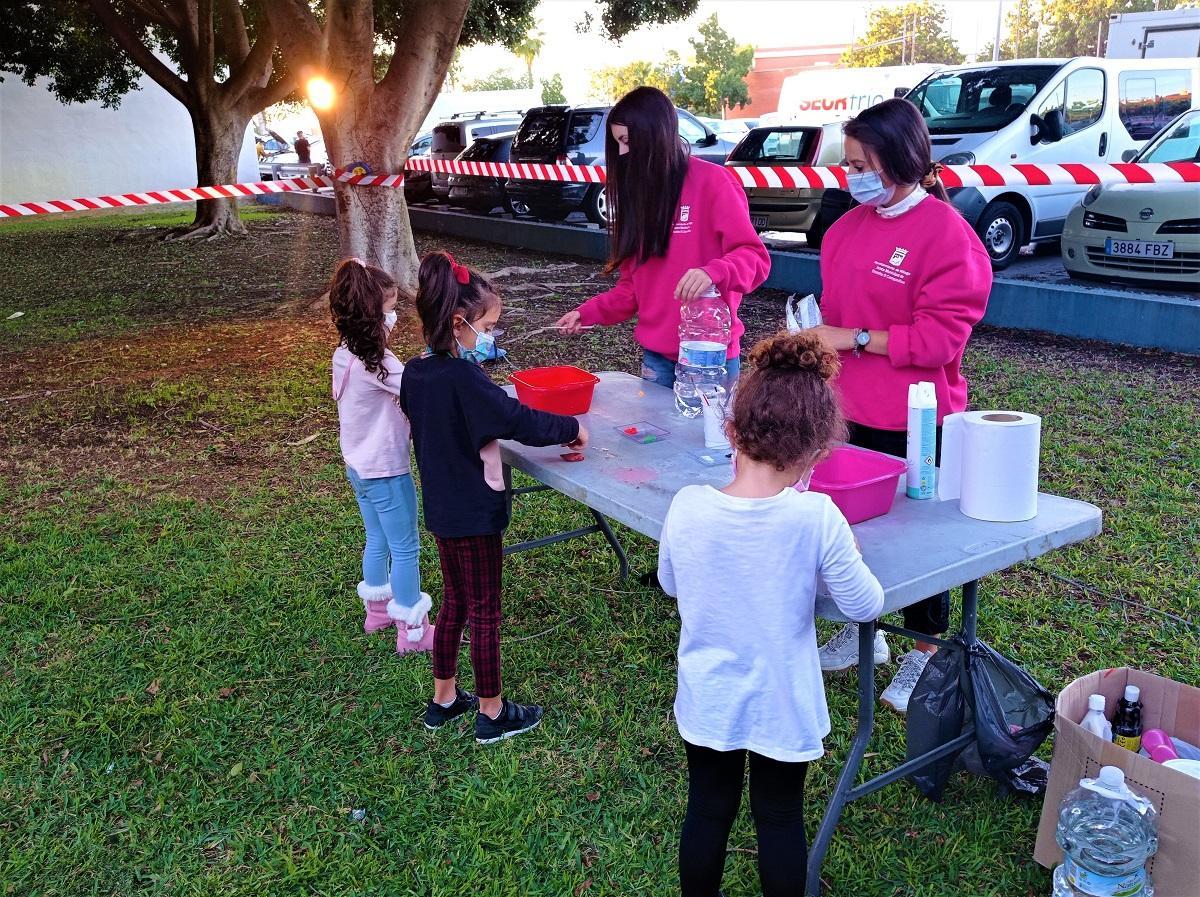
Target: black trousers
[(931, 616), (777, 804)]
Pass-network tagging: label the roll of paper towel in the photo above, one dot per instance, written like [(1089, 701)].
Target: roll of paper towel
[(990, 463)]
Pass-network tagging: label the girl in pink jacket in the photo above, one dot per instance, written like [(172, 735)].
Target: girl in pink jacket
[(374, 437), (677, 226), (904, 279)]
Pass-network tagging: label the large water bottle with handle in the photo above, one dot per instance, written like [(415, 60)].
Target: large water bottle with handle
[(705, 325), (1107, 833)]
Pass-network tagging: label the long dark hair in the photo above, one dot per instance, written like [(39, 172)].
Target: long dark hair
[(356, 296), (784, 410), (897, 136), (643, 186), (445, 289)]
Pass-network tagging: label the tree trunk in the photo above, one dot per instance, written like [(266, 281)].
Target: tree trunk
[(219, 135), (373, 222)]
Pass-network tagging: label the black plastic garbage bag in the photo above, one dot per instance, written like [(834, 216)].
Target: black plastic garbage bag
[(1013, 713), (936, 712)]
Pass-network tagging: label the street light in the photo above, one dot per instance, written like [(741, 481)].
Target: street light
[(320, 92)]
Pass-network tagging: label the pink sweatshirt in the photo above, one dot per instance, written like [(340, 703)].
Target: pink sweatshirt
[(374, 432), (924, 277), (712, 231)]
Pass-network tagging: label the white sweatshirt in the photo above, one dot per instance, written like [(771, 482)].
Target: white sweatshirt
[(744, 571)]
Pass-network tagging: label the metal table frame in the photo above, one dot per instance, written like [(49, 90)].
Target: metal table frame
[(995, 550)]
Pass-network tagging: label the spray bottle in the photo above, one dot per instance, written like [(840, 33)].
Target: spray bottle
[(921, 482)]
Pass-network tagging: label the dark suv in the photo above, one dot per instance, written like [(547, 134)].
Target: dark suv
[(574, 135)]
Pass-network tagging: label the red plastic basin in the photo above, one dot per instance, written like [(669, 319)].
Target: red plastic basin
[(861, 483), (562, 389)]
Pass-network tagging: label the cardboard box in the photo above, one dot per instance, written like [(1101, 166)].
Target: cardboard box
[(1078, 754)]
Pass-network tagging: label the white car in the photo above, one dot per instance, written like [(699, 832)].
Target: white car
[(1141, 231)]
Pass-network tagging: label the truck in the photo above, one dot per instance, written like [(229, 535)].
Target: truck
[(1166, 34)]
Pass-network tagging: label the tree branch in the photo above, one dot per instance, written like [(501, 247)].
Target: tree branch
[(233, 30), (122, 32), (205, 52), (155, 12), (421, 64), (255, 68), (297, 30)]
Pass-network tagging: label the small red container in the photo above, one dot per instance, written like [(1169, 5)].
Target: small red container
[(561, 390), (861, 483)]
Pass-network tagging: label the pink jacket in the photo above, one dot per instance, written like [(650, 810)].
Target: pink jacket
[(374, 433), (924, 277), (712, 231)]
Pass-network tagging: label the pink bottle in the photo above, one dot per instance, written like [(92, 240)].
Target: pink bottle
[(1158, 745)]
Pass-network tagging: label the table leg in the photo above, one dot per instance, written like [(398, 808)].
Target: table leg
[(862, 738), (613, 541)]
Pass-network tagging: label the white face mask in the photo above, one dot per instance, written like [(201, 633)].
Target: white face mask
[(389, 319)]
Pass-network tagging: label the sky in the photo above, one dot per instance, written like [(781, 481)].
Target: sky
[(761, 23)]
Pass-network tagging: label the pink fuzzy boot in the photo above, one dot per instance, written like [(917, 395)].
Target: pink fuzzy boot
[(413, 639), (375, 601)]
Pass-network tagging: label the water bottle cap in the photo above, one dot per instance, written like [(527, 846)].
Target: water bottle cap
[(711, 293), (1111, 777), (1132, 693), (1096, 702)]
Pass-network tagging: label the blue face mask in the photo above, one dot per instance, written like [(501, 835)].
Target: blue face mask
[(867, 188), (485, 347)]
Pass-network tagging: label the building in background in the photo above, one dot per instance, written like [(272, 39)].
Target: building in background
[(773, 64)]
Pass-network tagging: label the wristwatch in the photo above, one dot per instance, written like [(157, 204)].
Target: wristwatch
[(861, 338)]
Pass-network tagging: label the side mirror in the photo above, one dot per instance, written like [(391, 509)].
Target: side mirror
[(709, 139), (901, 92), (1129, 155), (1049, 129)]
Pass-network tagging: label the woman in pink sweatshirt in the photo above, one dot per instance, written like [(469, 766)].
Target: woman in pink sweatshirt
[(904, 280), (678, 226)]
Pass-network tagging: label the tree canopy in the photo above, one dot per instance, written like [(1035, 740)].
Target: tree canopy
[(716, 81), (907, 34)]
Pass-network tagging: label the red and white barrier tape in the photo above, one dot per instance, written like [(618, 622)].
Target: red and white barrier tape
[(1066, 174)]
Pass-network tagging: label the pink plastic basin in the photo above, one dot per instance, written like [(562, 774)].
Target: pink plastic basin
[(861, 483)]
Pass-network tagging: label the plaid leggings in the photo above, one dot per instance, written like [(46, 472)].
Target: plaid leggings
[(471, 572)]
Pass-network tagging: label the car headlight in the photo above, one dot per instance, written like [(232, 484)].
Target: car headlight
[(959, 159), (1092, 195)]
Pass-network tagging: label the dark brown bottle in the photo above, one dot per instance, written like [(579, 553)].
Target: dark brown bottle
[(1127, 723)]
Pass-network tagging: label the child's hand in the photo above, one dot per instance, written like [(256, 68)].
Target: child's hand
[(581, 440)]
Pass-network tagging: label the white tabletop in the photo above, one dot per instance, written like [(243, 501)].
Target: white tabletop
[(918, 549)]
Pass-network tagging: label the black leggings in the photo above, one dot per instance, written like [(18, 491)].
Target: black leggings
[(931, 616), (776, 803)]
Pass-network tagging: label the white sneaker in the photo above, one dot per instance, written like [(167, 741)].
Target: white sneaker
[(841, 651), (912, 665)]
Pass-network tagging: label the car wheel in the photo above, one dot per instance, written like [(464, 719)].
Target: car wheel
[(595, 206), (1001, 227)]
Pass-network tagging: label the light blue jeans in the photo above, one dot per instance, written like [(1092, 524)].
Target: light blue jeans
[(657, 368), (389, 512)]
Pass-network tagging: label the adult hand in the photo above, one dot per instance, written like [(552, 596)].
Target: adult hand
[(692, 284), (838, 338), (581, 440), (569, 323)]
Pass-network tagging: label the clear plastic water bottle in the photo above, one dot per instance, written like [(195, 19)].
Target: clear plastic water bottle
[(705, 326), (1107, 833)]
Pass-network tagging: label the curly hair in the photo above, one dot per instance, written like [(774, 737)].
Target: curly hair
[(356, 296), (785, 410), (441, 295)]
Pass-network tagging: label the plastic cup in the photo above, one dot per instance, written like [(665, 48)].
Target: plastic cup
[(714, 420)]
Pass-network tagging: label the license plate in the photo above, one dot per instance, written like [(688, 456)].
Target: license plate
[(1139, 249), (758, 220)]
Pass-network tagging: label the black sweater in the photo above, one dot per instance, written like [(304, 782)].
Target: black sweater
[(455, 410)]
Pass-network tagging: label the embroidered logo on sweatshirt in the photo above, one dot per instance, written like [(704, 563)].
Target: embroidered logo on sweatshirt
[(891, 269), (684, 224)]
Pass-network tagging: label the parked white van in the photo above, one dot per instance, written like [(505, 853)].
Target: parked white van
[(1039, 111), (821, 95)]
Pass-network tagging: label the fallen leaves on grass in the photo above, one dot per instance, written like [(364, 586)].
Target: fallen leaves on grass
[(154, 687), (305, 441)]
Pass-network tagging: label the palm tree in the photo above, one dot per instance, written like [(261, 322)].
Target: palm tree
[(527, 51)]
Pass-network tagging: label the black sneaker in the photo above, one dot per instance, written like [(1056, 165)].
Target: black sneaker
[(513, 719), (437, 716)]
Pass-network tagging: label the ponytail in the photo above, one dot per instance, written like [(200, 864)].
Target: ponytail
[(356, 296), (932, 182), (445, 289)]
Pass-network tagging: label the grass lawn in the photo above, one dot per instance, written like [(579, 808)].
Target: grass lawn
[(190, 707)]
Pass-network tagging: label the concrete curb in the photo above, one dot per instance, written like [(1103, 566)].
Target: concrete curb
[(1083, 311)]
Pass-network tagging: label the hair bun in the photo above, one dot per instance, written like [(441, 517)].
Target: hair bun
[(804, 351)]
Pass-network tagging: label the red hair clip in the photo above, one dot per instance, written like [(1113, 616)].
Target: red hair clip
[(461, 273)]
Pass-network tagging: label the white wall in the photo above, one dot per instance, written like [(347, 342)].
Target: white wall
[(49, 150)]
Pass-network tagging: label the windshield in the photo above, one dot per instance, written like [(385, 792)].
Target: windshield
[(1180, 142), (978, 100), (790, 147)]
